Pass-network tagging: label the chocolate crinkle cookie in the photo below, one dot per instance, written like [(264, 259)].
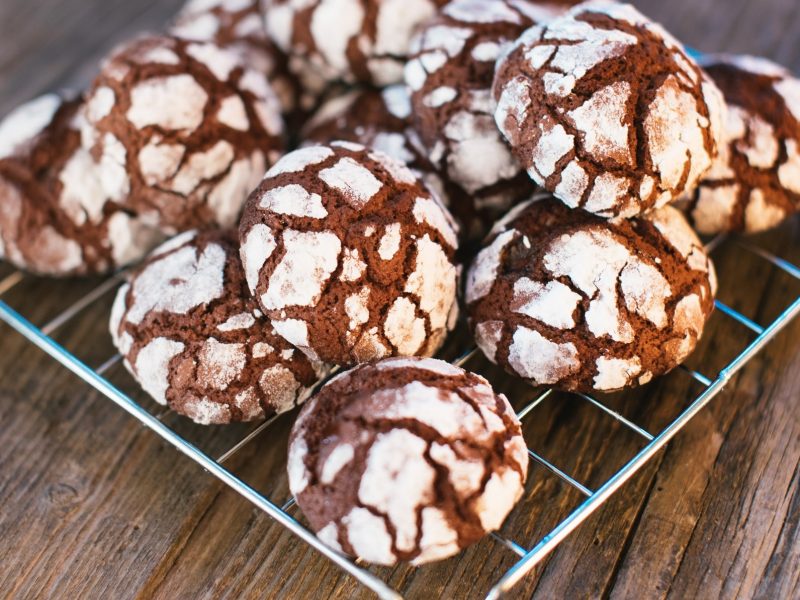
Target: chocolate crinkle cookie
[(349, 256), (57, 216), (238, 25), (194, 339), (406, 460), (348, 40), (606, 110), (182, 130), (568, 299), (755, 182), (450, 73)]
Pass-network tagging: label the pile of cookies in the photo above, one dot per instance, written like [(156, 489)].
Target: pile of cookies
[(550, 160)]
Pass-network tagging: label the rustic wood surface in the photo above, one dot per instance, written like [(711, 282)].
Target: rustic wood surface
[(94, 506)]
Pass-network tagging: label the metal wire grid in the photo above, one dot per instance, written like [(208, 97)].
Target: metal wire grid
[(528, 557)]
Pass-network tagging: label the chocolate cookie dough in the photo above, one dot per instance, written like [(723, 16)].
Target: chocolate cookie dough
[(606, 110), (184, 132), (57, 216), (568, 299), (406, 460), (194, 339), (755, 182), (349, 257)]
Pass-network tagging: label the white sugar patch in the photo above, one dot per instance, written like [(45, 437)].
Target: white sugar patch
[(368, 536), (152, 366), (229, 194), (352, 265), (356, 307), (536, 358), (645, 291), (483, 273), (23, 124), (397, 101), (295, 200), (760, 215), (615, 373), (502, 491), (789, 172), (486, 51), (241, 321), (233, 113), (428, 364), (297, 161), (258, 246), (99, 104), (280, 387), (158, 162), (339, 458), (427, 210), (179, 282), (488, 335), (465, 474), (298, 474), (220, 364), (332, 41), (789, 88), (206, 412), (355, 182), (433, 282), (298, 280), (439, 540), (440, 96), (219, 61), (203, 166), (398, 480), (601, 120), (403, 328), (553, 145), (553, 304), (390, 242), (172, 103)]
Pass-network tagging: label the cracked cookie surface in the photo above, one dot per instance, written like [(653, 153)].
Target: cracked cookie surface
[(182, 131), (194, 339), (349, 256), (450, 72), (755, 182), (565, 298), (350, 40), (406, 460), (56, 216), (606, 110)]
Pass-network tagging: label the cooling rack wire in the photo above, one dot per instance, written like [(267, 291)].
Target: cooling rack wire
[(529, 552)]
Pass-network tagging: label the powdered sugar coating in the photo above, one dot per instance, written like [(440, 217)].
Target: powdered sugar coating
[(190, 136), (60, 211), (754, 184), (568, 102), (450, 76), (408, 461), (350, 297), (194, 340), (351, 40), (567, 299)]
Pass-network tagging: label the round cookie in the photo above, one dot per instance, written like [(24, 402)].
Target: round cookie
[(56, 217), (194, 339), (349, 257), (606, 110), (406, 460), (565, 298), (182, 130), (349, 40), (755, 182), (450, 73)]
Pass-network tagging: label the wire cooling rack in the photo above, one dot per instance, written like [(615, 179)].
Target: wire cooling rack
[(529, 555)]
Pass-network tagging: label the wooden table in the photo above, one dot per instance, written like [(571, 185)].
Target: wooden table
[(94, 506)]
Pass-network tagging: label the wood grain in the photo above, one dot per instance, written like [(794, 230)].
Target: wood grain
[(93, 506)]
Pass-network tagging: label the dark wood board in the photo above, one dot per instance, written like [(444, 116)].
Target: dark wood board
[(94, 506)]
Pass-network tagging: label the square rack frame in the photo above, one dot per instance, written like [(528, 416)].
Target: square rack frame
[(528, 556)]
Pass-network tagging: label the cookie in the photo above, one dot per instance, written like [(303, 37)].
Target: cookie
[(755, 182), (184, 132), (349, 40), (565, 298), (606, 110), (406, 460), (194, 339), (349, 256), (450, 73), (56, 217)]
